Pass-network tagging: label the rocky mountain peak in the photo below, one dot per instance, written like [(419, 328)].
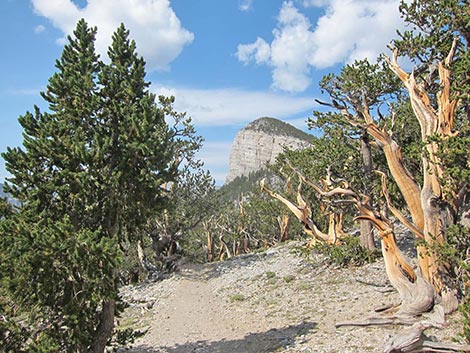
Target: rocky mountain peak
[(277, 127), (260, 142)]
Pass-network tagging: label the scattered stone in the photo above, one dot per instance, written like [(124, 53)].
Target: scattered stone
[(191, 310)]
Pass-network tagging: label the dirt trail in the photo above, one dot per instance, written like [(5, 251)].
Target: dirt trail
[(271, 302)]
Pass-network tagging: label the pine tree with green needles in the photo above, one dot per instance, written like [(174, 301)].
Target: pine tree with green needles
[(88, 177)]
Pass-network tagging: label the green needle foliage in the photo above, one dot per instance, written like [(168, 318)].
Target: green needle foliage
[(89, 176)]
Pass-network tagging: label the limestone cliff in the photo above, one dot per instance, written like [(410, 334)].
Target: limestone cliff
[(260, 142)]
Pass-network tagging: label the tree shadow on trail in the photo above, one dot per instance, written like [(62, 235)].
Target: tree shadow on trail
[(263, 342)]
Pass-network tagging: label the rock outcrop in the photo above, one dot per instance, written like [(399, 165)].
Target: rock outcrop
[(260, 142)]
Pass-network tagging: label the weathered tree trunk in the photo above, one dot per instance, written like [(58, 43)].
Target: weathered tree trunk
[(284, 222), (416, 293), (141, 255), (224, 249), (431, 216), (104, 331), (366, 233), (392, 151), (303, 213), (438, 213), (414, 341), (210, 243)]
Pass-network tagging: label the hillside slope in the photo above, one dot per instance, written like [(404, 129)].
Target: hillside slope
[(276, 301)]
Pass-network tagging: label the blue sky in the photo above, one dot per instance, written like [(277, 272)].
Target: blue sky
[(227, 62)]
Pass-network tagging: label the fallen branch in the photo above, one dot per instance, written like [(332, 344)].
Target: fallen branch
[(377, 321), (414, 341)]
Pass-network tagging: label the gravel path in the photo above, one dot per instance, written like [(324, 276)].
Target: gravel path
[(276, 301)]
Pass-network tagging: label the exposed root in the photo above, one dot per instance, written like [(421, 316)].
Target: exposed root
[(413, 340), (378, 321)]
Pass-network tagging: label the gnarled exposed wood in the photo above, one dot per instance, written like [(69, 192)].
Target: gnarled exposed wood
[(284, 222), (413, 340), (210, 243), (377, 321), (223, 249), (417, 232), (405, 181), (417, 295), (433, 123), (303, 213), (365, 227)]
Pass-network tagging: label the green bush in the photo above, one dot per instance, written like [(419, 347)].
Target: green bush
[(455, 254), (349, 252)]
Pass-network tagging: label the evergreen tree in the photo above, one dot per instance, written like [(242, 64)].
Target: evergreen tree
[(89, 176), (136, 145)]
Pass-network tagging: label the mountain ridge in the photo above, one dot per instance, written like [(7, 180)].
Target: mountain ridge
[(260, 142), (277, 127)]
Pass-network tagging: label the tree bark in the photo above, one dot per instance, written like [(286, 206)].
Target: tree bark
[(105, 329), (366, 233), (438, 213), (284, 222), (210, 244), (416, 293), (141, 256), (303, 213), (413, 340), (405, 181)]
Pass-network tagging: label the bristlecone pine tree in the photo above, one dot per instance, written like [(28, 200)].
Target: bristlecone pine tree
[(89, 175), (347, 89), (438, 90)]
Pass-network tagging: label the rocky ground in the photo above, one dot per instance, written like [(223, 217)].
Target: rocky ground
[(276, 301)]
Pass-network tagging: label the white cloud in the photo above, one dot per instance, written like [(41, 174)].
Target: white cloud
[(39, 29), (233, 108), (260, 51), (220, 107), (289, 52), (349, 30), (314, 3), (153, 24), (215, 156), (355, 29), (245, 5), (216, 153)]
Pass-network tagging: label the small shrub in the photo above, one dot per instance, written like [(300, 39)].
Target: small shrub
[(304, 286), (460, 247), (126, 336), (237, 298), (288, 278), (270, 274), (454, 254), (349, 252)]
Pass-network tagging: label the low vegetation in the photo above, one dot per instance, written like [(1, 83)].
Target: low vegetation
[(349, 252), (109, 189)]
